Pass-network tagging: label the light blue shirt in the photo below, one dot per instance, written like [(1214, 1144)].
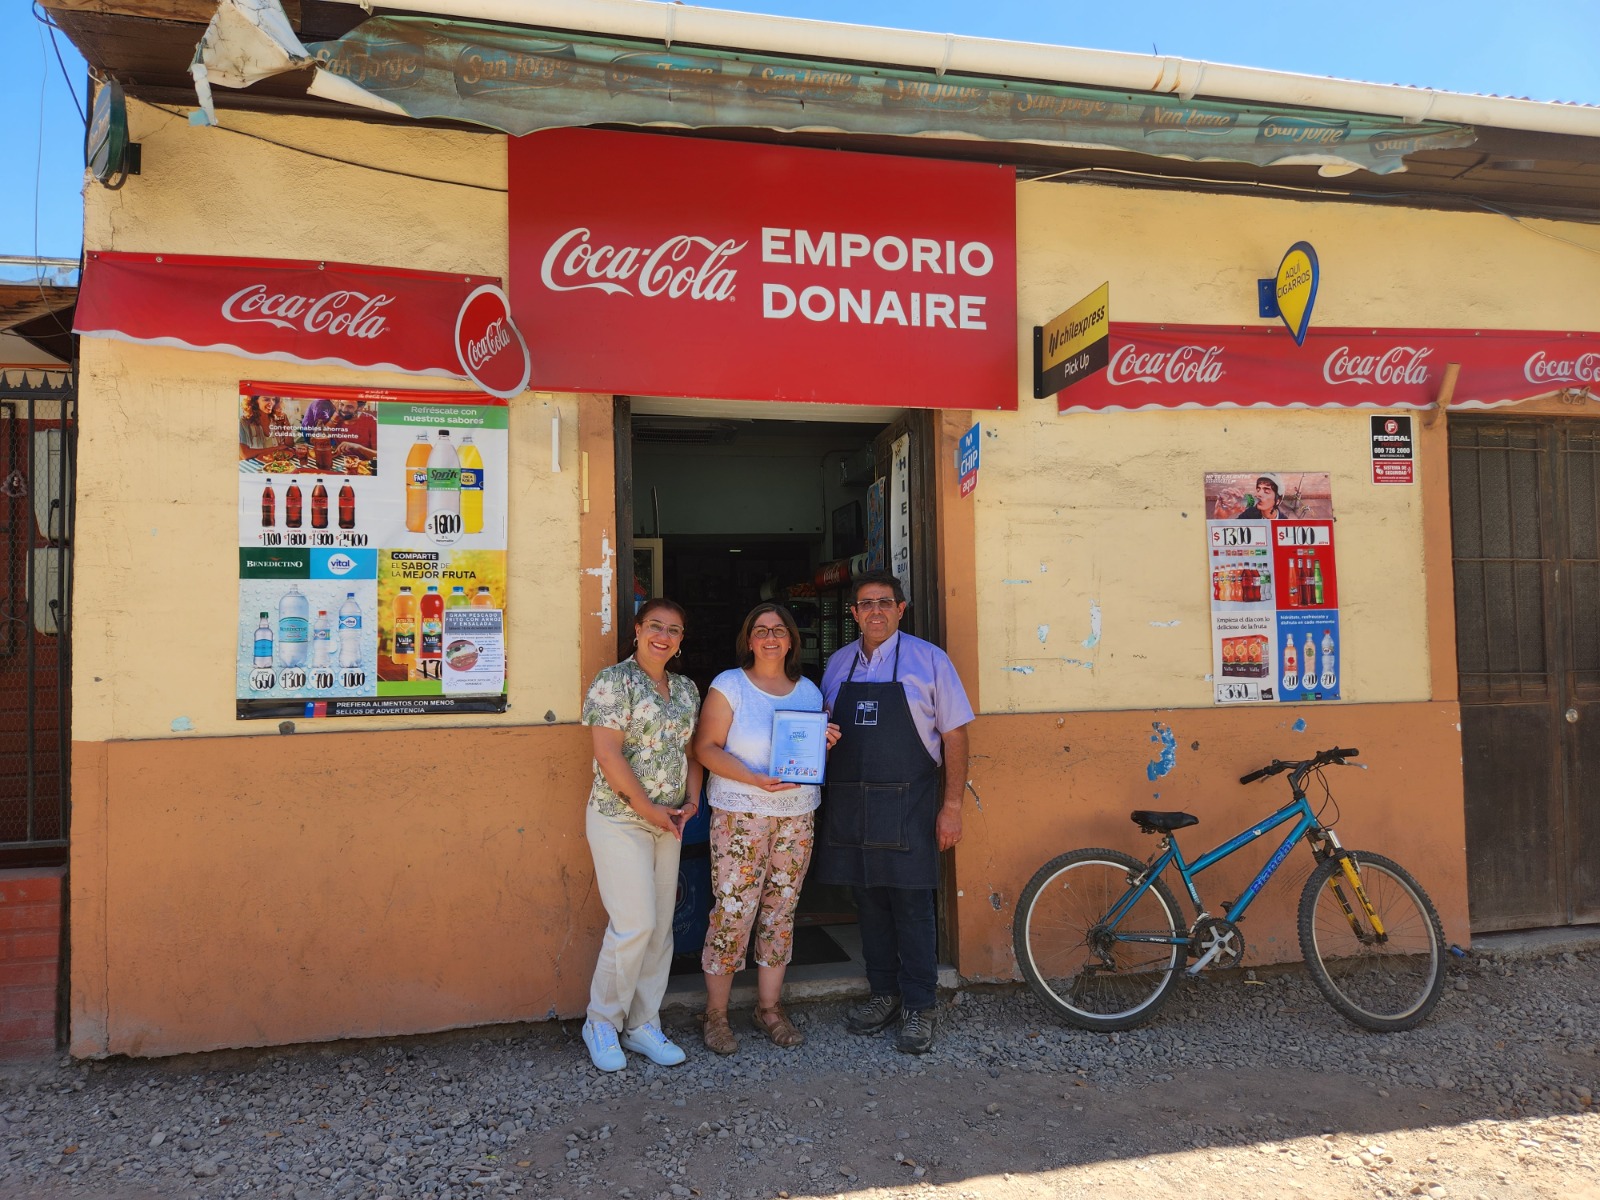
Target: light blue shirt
[(934, 693)]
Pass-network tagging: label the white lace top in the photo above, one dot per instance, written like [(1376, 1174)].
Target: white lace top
[(750, 741)]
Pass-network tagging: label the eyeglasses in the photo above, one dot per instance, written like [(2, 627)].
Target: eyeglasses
[(657, 629), (769, 633), (882, 604)]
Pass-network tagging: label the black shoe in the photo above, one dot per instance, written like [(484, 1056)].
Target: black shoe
[(873, 1015), (916, 1032)]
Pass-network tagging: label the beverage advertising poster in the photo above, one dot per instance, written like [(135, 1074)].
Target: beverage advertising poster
[(372, 552), (1274, 587)]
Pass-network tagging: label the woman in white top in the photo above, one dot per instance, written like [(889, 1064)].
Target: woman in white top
[(761, 828)]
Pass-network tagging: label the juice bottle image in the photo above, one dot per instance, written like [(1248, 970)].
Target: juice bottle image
[(471, 487), (322, 640), (291, 505), (417, 484), (1328, 676), (431, 646), (269, 506), (294, 627), (263, 642), (444, 486), (1291, 664), (319, 506), (403, 642), (349, 632), (483, 599), (1308, 669), (457, 598), (347, 506)]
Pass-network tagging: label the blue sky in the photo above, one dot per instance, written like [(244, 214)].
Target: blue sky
[(1542, 49)]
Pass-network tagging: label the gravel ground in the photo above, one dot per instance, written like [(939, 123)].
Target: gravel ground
[(1240, 1085)]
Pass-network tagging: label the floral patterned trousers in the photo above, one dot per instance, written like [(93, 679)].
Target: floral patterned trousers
[(757, 865)]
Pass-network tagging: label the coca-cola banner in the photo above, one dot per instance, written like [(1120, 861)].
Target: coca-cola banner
[(337, 314), (1188, 366), (650, 265)]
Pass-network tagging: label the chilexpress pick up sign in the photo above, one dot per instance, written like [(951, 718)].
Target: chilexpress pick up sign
[(646, 264)]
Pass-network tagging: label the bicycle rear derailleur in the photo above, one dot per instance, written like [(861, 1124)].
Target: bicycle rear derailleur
[(1214, 943)]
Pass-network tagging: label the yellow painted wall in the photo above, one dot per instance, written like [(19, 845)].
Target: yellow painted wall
[(1085, 513), (436, 865), (156, 588)]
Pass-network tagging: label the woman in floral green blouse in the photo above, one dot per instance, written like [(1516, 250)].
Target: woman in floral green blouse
[(645, 788)]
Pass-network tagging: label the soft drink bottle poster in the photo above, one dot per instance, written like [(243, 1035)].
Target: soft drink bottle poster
[(363, 515), (1274, 590)]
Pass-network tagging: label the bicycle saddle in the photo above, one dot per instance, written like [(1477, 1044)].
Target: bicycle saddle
[(1162, 822)]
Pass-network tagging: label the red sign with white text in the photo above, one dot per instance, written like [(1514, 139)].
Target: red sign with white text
[(488, 344), (370, 318), (646, 264), (1187, 366)]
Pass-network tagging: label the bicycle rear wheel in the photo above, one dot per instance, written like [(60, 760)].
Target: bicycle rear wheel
[(1384, 982), (1074, 965)]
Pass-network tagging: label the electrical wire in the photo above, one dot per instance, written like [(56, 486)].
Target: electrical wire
[(1301, 189), (43, 18), (348, 162)]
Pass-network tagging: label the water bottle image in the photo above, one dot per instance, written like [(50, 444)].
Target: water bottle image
[(1328, 675), (322, 640), (263, 640), (294, 627), (350, 633)]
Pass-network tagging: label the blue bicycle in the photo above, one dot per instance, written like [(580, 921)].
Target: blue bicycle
[(1101, 941)]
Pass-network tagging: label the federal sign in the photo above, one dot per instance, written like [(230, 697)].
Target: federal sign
[(1392, 452), (1074, 345)]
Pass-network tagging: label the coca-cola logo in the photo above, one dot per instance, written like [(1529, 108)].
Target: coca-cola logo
[(684, 265), (1183, 364), (1396, 365), (489, 345), (346, 313), (1541, 368)]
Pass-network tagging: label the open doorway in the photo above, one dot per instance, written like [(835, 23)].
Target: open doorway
[(724, 511)]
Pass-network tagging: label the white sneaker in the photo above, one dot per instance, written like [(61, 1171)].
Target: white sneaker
[(601, 1039), (649, 1041)]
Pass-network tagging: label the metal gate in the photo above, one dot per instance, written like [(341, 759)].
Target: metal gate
[(1525, 519), (38, 424)]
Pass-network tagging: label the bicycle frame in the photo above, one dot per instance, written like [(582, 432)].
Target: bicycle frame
[(1297, 810)]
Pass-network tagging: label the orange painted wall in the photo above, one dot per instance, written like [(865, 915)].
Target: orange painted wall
[(369, 884), (1054, 782), (344, 885)]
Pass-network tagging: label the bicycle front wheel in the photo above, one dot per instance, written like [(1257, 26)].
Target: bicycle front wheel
[(1384, 981), (1077, 965)]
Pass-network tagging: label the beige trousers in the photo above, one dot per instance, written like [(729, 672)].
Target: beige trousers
[(636, 869)]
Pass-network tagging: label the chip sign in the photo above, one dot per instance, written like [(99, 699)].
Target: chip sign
[(489, 345), (1073, 346), (967, 460)]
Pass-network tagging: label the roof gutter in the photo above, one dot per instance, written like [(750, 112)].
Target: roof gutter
[(672, 23)]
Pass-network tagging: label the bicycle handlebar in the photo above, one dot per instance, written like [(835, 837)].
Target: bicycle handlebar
[(1322, 758)]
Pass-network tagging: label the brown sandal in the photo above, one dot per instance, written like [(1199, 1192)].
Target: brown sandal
[(717, 1033), (775, 1023)]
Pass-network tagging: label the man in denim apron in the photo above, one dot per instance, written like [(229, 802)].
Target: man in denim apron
[(887, 812)]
